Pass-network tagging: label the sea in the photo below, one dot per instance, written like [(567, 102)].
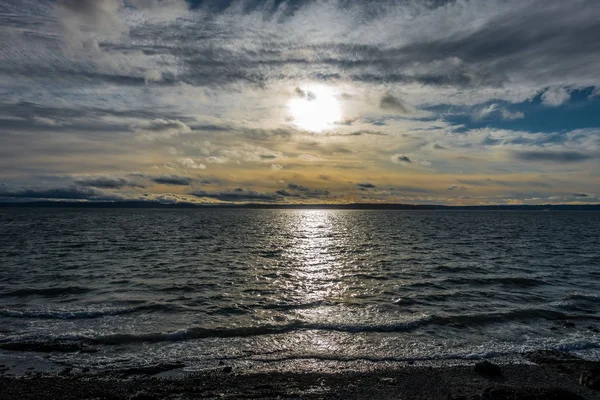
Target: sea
[(106, 289)]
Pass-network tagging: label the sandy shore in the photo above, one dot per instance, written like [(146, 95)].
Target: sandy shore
[(548, 375)]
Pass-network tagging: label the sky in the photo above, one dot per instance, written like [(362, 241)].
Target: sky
[(420, 102)]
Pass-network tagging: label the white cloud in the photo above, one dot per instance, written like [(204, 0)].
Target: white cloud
[(191, 164), (495, 109), (245, 152), (217, 160), (161, 129), (160, 10), (46, 121), (86, 21), (555, 96), (152, 76), (508, 115), (486, 111)]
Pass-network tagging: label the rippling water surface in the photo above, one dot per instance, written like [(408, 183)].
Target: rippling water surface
[(266, 286)]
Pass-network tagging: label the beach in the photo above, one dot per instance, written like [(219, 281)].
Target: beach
[(542, 375)]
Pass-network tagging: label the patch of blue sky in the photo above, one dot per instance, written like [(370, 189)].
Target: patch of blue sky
[(581, 111)]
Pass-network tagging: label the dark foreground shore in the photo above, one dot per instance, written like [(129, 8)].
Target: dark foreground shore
[(547, 375)]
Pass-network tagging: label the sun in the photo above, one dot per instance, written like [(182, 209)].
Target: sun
[(315, 108)]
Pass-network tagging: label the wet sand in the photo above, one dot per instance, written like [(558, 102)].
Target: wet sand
[(547, 375)]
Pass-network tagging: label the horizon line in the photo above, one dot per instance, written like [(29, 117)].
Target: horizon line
[(155, 204)]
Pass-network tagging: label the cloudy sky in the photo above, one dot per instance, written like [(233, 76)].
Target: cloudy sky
[(452, 102)]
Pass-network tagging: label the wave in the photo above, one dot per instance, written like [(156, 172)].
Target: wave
[(478, 354), (48, 346), (46, 292), (297, 306), (184, 288), (189, 334), (515, 281), (524, 314), (260, 330), (369, 276), (84, 314), (193, 333), (475, 282), (84, 343), (591, 297)]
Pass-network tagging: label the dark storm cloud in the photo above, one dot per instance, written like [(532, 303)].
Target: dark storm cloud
[(46, 124), (348, 166), (268, 134), (27, 115), (108, 182), (212, 181), (162, 125), (365, 186), (284, 193), (316, 194), (174, 180), (238, 195), (580, 195), (392, 103), (258, 68), (78, 75), (367, 132), (468, 58), (222, 52), (304, 192), (561, 157), (401, 158), (66, 193), (403, 190), (300, 188), (210, 127), (502, 40)]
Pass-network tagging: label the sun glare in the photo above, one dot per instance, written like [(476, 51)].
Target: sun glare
[(315, 109)]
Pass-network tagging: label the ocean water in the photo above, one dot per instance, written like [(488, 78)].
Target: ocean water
[(264, 288)]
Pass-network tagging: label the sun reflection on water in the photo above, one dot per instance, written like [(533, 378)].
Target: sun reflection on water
[(326, 287), (312, 254)]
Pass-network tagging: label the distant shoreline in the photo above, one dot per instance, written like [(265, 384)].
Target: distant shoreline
[(352, 206)]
